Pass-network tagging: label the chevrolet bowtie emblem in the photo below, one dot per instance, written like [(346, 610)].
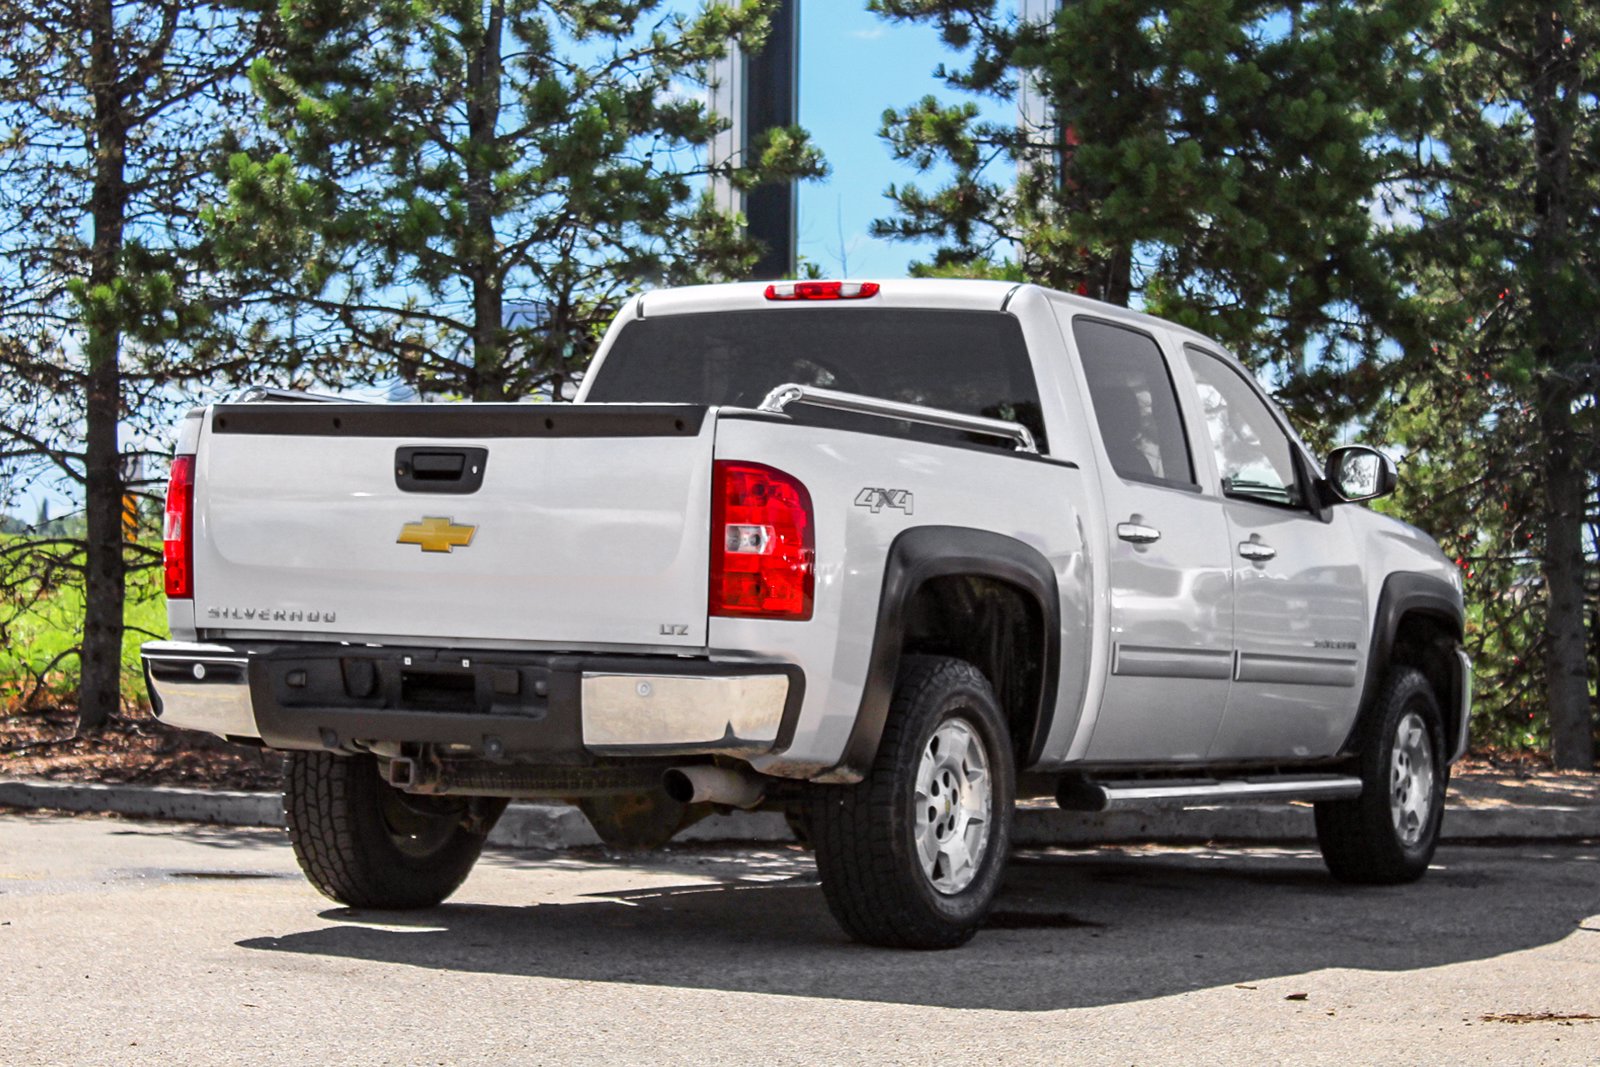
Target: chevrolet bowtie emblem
[(436, 534)]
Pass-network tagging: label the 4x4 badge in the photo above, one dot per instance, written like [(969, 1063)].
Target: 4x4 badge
[(436, 534), (877, 499)]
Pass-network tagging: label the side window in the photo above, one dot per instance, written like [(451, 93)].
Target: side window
[(1134, 403), (1254, 456)]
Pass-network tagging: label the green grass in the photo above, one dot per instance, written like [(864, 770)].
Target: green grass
[(37, 633)]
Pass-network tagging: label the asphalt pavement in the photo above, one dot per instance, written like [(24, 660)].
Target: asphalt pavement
[(147, 943)]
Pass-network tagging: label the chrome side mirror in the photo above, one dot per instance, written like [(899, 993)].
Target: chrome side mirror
[(1356, 472)]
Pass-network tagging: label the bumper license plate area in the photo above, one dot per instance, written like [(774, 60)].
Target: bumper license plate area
[(407, 682)]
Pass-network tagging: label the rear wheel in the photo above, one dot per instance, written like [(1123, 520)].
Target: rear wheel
[(912, 856), (368, 845), (1388, 834)]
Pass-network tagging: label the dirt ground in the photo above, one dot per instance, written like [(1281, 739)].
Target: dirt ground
[(133, 748)]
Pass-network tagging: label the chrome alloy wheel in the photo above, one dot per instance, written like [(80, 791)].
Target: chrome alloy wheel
[(1411, 779), (951, 806)]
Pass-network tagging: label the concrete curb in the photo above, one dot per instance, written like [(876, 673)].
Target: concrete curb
[(218, 807), (557, 826)]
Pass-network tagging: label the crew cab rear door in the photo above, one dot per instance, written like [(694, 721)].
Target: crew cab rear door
[(1171, 590)]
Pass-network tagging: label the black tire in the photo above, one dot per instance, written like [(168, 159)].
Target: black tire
[(1364, 839), (865, 835), (366, 844)]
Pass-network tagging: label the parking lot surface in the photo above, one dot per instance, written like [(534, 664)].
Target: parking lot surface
[(135, 943)]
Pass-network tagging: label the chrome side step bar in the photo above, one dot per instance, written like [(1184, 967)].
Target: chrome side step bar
[(1078, 795)]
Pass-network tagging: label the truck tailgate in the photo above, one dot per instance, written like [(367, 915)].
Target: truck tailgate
[(589, 527)]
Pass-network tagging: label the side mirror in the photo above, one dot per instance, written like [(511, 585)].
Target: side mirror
[(1356, 472)]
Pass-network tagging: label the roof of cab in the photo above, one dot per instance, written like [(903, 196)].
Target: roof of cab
[(952, 293), (895, 293)]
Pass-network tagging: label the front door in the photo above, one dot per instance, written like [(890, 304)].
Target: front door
[(1300, 613), (1171, 596)]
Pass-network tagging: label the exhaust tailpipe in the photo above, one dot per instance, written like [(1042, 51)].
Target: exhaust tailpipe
[(714, 785)]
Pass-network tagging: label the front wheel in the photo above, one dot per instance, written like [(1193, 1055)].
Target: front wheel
[(1388, 834), (368, 845), (912, 856)]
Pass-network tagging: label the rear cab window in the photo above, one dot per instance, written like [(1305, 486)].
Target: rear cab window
[(1135, 404), (972, 362)]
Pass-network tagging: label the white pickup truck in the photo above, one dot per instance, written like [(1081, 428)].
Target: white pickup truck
[(883, 557)]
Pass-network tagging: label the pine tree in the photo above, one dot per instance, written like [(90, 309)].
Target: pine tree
[(1506, 256), (1216, 162), (447, 161), (107, 110)]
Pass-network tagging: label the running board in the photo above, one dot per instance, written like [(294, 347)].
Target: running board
[(1078, 795)]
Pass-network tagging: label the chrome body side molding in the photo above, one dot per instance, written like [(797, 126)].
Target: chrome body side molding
[(1295, 670), (1143, 661)]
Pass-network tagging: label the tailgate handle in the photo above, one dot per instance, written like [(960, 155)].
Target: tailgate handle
[(430, 469)]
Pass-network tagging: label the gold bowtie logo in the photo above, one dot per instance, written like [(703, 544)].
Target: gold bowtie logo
[(436, 534)]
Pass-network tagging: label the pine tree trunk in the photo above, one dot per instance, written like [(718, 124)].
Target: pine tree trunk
[(100, 682), (489, 372), (1119, 278), (1558, 353), (1566, 659)]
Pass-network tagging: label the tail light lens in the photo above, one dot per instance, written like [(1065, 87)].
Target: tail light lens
[(177, 530), (763, 548)]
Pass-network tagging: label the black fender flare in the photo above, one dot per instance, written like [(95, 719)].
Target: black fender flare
[(1407, 593), (920, 555)]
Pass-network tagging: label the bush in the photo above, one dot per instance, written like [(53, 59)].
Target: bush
[(41, 623)]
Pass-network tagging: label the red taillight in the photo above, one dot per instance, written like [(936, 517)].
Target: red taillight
[(763, 549), (177, 530), (821, 290)]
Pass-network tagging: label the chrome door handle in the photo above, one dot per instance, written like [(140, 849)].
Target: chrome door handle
[(1138, 533), (1257, 551)]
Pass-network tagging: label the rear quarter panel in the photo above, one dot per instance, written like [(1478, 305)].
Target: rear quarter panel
[(1034, 501)]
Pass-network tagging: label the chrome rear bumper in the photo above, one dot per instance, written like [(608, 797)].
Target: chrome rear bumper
[(625, 713), (549, 706), (200, 687)]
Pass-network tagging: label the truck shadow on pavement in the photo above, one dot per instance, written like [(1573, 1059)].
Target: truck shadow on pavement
[(1071, 930)]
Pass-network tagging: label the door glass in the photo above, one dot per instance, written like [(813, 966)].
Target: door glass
[(1254, 456), (1134, 403)]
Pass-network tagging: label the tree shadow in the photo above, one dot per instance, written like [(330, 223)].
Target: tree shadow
[(1072, 929), (232, 838)]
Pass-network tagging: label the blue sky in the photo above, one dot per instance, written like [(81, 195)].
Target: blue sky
[(853, 65)]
